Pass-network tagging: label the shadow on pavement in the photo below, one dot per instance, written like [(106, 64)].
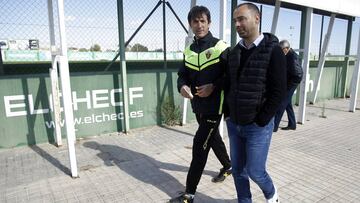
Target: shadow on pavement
[(51, 159), (145, 169), (176, 130)]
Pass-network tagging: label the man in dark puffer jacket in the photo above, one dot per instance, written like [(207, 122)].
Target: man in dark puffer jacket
[(257, 85), (294, 77)]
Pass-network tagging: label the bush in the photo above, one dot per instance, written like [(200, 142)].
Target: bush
[(170, 113)]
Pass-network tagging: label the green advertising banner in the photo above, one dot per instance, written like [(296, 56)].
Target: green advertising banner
[(26, 115)]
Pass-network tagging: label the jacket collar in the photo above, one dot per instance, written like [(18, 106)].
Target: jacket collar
[(204, 39), (254, 43)]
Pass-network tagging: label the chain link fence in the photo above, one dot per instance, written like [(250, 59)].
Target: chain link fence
[(24, 30), (92, 29)]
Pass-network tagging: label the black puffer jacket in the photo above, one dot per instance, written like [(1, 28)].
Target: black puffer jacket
[(294, 69), (257, 86)]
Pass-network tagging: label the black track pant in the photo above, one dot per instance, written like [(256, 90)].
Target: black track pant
[(207, 136)]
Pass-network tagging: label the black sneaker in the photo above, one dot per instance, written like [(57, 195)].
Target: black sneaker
[(288, 128), (222, 175), (183, 198)]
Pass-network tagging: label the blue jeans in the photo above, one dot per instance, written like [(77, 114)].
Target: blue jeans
[(286, 104), (249, 147)]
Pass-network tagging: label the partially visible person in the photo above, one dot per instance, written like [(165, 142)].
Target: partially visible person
[(201, 79), (294, 77), (257, 85)]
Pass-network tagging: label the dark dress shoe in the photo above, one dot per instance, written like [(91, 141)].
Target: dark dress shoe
[(288, 128)]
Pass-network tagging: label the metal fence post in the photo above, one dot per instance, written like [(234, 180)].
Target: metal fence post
[(120, 14), (188, 41), (66, 91), (2, 72), (53, 71)]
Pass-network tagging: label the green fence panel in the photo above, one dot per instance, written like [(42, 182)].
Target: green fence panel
[(26, 115), (27, 118)]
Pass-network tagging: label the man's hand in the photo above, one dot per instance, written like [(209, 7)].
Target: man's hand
[(204, 90), (185, 91)]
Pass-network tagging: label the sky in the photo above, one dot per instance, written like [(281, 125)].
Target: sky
[(90, 22)]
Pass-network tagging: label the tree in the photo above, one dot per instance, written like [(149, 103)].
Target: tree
[(158, 50), (139, 48), (95, 47), (73, 48), (127, 48), (83, 50)]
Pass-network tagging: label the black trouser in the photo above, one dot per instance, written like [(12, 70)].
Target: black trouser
[(207, 136)]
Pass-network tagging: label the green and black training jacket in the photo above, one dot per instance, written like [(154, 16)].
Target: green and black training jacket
[(204, 63)]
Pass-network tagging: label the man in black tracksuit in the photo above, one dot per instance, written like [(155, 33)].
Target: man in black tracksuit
[(201, 80)]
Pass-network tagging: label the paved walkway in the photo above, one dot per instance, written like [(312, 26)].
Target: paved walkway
[(319, 162)]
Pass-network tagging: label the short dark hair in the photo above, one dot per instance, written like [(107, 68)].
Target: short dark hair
[(250, 6), (197, 11)]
